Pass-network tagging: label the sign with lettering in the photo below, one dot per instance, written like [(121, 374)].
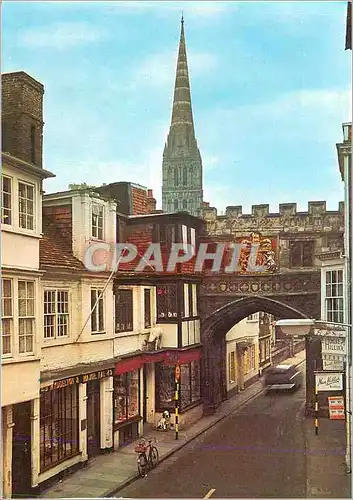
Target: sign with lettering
[(325, 381), (336, 408), (332, 345), (59, 384), (328, 332), (97, 375), (333, 362)]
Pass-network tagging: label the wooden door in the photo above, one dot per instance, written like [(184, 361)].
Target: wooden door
[(21, 450), (93, 418)]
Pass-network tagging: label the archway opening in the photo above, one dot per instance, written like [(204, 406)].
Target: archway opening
[(214, 330)]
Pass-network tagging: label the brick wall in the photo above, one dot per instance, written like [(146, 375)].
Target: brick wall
[(22, 111), (62, 218), (139, 201)]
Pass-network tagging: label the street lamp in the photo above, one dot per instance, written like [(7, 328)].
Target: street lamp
[(304, 327)]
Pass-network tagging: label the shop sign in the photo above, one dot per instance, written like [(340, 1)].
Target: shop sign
[(333, 346), (336, 408), (177, 372), (60, 384), (326, 332), (97, 375), (328, 381), (333, 362)]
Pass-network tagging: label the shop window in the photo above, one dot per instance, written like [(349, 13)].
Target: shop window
[(231, 358), (7, 315), (97, 315), (26, 205), (59, 422), (167, 304), (123, 311), (126, 396), (190, 387), (302, 253), (56, 314), (6, 199), (26, 302), (147, 296), (165, 386), (97, 221), (334, 296)]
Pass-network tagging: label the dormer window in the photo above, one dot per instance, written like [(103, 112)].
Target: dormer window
[(97, 221)]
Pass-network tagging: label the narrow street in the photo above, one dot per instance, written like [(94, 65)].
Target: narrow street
[(258, 452)]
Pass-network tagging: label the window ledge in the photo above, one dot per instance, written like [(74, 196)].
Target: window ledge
[(20, 358), (20, 231), (127, 333)]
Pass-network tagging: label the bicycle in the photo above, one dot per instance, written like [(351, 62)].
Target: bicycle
[(147, 457)]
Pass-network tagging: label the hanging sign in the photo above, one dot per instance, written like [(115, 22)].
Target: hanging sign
[(326, 381), (333, 362), (333, 345), (177, 372), (336, 408)]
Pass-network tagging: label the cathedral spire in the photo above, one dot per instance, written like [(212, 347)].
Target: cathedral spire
[(182, 110)]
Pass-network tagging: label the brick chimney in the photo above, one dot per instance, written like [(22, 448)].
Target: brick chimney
[(151, 202)]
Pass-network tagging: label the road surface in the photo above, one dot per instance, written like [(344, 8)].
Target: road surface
[(258, 452)]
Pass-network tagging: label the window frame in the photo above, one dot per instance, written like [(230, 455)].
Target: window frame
[(334, 314), (25, 319), (97, 230), (7, 318), (56, 314), (170, 292), (232, 367), (298, 251), (96, 311), (127, 314), (25, 200), (127, 390), (10, 195), (55, 401), (147, 308)]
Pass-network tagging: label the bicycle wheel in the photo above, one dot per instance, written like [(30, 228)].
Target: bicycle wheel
[(142, 464), (154, 456)]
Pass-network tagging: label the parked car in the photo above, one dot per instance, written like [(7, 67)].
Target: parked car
[(283, 377)]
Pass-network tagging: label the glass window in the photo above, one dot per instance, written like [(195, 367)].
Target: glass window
[(126, 396), (7, 315), (231, 361), (123, 311), (59, 425), (165, 386), (97, 221), (26, 313), (56, 313), (191, 301), (147, 297), (6, 199), (167, 302), (97, 316), (26, 205), (334, 296), (302, 253)]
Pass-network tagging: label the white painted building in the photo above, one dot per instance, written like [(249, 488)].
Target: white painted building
[(21, 231)]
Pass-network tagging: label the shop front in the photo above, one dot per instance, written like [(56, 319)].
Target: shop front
[(127, 412), (75, 420), (144, 386)]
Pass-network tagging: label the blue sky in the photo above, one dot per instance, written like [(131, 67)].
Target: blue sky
[(270, 85)]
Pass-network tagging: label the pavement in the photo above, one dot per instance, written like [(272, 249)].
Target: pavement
[(106, 475)]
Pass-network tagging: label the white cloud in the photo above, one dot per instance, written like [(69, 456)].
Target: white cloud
[(60, 35)]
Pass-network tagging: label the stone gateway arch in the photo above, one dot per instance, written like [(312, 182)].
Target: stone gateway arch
[(214, 330)]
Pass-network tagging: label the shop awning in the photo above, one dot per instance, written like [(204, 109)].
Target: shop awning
[(128, 365)]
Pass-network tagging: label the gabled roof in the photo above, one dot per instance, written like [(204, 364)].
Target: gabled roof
[(54, 250)]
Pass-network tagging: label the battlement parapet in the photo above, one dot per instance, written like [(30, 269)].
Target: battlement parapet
[(286, 210)]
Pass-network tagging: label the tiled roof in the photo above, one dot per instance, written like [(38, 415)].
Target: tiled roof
[(54, 250)]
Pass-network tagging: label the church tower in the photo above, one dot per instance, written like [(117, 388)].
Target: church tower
[(182, 164)]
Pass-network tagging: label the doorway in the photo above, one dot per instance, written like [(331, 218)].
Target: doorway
[(21, 450), (93, 418)]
